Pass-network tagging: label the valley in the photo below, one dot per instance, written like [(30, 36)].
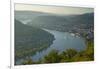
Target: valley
[(38, 33)]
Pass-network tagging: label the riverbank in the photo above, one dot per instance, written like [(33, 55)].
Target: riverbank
[(69, 55)]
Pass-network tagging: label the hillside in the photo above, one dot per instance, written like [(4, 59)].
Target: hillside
[(29, 39)]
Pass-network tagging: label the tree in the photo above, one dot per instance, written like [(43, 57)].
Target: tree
[(52, 57), (70, 53)]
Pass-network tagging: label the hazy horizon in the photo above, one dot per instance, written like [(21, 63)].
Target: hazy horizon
[(53, 9)]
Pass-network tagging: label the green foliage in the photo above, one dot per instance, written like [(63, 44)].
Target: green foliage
[(69, 55), (52, 57)]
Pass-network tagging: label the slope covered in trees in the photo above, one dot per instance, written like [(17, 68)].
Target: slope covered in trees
[(29, 39)]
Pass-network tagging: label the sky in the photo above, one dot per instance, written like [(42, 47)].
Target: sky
[(53, 9)]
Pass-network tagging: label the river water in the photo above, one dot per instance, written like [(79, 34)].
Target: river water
[(63, 41)]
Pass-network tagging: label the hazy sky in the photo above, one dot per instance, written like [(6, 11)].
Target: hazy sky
[(53, 9)]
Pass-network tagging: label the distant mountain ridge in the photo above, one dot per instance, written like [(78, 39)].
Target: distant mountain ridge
[(64, 23)]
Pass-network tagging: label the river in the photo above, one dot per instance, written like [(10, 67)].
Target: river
[(63, 41)]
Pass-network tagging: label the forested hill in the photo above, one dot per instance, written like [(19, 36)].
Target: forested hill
[(29, 39)]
